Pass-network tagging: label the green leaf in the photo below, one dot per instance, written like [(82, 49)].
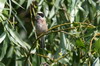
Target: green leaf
[(57, 2), (46, 9), (22, 1), (28, 3), (4, 49), (17, 3), (2, 37), (2, 17), (2, 4), (97, 44), (52, 12), (96, 62), (2, 64), (20, 21), (14, 37), (79, 42), (64, 42), (10, 52)]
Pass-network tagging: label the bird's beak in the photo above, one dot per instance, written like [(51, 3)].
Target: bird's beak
[(37, 17)]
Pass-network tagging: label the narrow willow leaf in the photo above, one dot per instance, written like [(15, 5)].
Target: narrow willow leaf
[(32, 32), (21, 23), (40, 5), (28, 3), (16, 37), (2, 37), (96, 62), (63, 40), (13, 34), (19, 57), (64, 61), (2, 17), (54, 22), (13, 40), (80, 43), (57, 3), (33, 51), (98, 13), (2, 64), (74, 10), (41, 1), (19, 63), (10, 52), (4, 49), (52, 12), (21, 2), (2, 4), (46, 9), (10, 8), (97, 44), (17, 3)]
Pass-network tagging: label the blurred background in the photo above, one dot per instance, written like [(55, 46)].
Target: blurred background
[(73, 38)]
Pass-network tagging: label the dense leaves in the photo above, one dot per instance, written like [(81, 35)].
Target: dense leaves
[(73, 37)]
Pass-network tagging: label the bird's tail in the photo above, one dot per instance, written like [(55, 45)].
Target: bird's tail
[(42, 42)]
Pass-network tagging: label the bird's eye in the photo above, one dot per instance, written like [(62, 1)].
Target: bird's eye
[(41, 14)]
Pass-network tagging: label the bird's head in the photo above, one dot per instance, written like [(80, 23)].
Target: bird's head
[(39, 15)]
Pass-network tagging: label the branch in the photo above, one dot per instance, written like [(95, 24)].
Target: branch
[(28, 55)]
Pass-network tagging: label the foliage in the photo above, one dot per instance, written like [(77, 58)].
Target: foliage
[(73, 38)]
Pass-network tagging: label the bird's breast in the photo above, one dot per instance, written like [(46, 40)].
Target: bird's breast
[(41, 28)]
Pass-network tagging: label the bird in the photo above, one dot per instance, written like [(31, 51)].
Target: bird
[(41, 27)]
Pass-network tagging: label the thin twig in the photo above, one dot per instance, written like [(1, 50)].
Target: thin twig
[(97, 34), (66, 24), (53, 32)]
